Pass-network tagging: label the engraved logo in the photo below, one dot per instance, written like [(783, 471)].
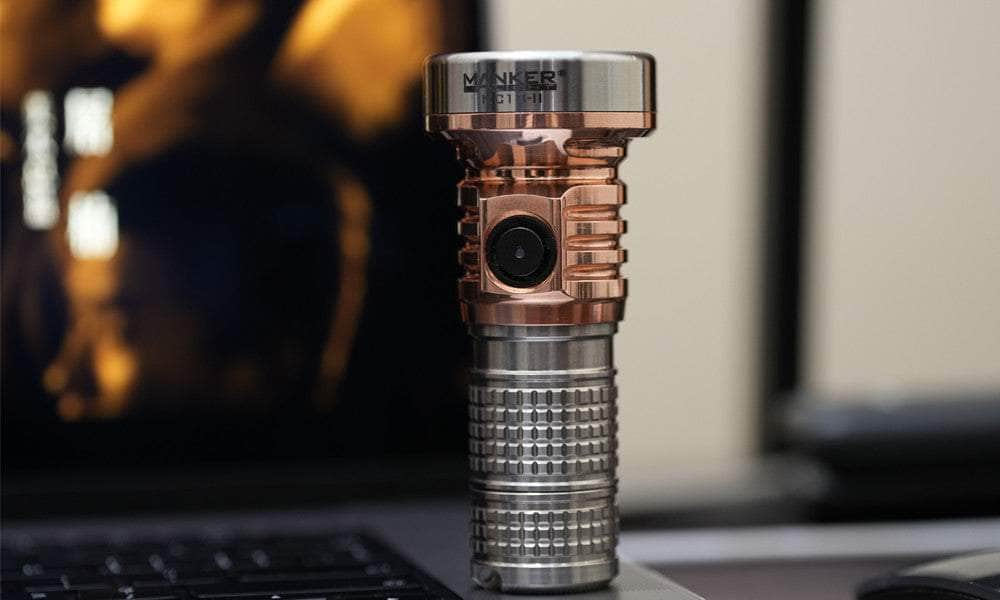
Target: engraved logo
[(512, 81)]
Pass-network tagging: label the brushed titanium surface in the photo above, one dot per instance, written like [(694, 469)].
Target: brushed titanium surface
[(542, 453), (535, 81)]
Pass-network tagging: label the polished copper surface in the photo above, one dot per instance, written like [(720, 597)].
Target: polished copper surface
[(557, 167)]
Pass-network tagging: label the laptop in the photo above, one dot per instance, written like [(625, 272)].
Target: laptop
[(296, 528)]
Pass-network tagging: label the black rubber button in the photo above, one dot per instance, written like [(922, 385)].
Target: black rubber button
[(521, 251)]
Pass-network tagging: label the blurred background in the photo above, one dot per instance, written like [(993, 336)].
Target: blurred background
[(209, 210)]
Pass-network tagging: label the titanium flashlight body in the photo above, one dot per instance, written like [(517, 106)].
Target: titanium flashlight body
[(541, 135)]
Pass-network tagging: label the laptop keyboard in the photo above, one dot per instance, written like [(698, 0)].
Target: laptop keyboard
[(343, 566)]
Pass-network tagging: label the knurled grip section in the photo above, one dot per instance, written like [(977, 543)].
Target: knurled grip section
[(542, 437), (542, 467), (554, 529), (542, 455)]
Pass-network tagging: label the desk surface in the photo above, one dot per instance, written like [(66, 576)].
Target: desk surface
[(800, 562), (813, 579)]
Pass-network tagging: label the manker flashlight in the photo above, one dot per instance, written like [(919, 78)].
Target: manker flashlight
[(541, 135)]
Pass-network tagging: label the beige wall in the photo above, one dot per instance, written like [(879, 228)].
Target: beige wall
[(685, 351), (904, 265)]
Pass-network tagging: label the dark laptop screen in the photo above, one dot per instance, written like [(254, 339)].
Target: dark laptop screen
[(225, 235)]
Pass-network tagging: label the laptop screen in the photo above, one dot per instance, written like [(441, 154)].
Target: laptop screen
[(225, 235)]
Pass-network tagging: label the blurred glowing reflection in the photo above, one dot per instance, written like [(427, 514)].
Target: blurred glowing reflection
[(361, 58), (92, 225), (176, 32), (88, 121), (355, 209), (40, 175)]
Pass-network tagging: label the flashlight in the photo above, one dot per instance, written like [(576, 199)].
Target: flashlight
[(541, 135)]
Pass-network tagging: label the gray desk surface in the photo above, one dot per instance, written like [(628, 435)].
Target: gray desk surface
[(801, 562), (814, 579)]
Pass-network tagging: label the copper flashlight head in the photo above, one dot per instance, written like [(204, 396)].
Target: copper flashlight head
[(541, 135)]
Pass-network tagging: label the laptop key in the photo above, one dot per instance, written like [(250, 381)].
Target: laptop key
[(411, 595), (61, 595), (414, 595), (188, 579), (184, 573), (90, 582), (130, 593), (357, 586), (19, 575), (45, 585), (383, 571), (399, 595)]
